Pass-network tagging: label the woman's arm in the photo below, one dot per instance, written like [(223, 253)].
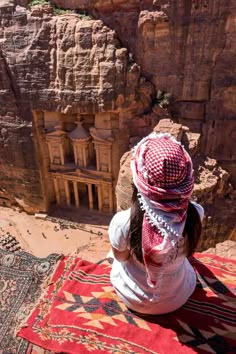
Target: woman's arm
[(118, 231), (121, 256)]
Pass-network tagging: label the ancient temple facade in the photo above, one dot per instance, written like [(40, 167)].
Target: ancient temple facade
[(79, 159)]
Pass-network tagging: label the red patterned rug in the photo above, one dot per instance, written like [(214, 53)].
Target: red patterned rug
[(81, 313)]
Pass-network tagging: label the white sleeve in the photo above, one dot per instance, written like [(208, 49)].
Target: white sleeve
[(200, 209), (118, 231)]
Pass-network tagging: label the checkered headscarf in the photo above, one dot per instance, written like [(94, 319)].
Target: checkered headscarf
[(162, 172)]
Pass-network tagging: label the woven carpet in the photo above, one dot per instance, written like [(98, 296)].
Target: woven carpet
[(21, 279), (81, 313)]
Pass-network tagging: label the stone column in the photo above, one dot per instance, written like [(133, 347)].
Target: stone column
[(109, 160), (75, 154), (99, 198), (50, 153), (67, 192), (97, 158), (76, 193), (110, 200), (61, 154), (90, 195), (56, 187), (84, 156)]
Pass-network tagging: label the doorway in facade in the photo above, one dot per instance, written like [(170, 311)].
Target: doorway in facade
[(95, 196), (83, 195), (72, 193)]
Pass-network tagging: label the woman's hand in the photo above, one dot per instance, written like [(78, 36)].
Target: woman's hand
[(121, 256)]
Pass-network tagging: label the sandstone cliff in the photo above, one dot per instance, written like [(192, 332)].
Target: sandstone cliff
[(212, 187), (115, 56), (186, 48), (68, 64)]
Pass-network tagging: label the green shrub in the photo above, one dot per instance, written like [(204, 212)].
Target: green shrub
[(163, 98), (59, 11), (56, 10), (38, 2)]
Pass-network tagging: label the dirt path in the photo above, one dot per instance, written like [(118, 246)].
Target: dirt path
[(41, 237)]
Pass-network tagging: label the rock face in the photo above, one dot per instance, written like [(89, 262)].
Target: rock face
[(114, 64), (226, 249), (66, 64), (212, 188), (186, 48)]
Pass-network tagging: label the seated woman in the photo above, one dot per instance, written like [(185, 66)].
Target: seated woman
[(151, 241)]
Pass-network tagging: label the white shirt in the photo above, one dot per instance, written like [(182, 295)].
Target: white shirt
[(130, 281)]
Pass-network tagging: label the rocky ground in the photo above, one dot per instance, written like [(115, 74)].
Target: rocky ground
[(86, 234), (225, 249)]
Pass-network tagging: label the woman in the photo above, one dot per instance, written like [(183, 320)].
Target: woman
[(152, 240)]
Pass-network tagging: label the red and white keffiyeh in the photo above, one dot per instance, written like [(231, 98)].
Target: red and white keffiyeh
[(163, 174)]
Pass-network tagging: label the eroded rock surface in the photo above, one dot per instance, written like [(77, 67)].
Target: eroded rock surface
[(67, 64), (212, 188), (71, 64), (226, 249), (186, 48)]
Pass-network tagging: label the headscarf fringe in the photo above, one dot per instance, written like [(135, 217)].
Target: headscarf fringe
[(166, 218), (155, 219)]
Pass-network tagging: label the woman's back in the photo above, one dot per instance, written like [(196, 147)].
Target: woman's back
[(129, 278), (150, 241)]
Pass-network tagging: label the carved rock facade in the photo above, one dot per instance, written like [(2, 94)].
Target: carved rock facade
[(186, 48), (57, 71)]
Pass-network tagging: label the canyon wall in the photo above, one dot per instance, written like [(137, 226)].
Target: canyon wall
[(64, 64), (187, 48), (115, 56), (212, 187)]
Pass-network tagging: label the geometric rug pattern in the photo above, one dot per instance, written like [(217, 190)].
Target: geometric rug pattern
[(21, 281), (81, 313)]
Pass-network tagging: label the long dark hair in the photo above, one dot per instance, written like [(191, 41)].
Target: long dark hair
[(191, 233)]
